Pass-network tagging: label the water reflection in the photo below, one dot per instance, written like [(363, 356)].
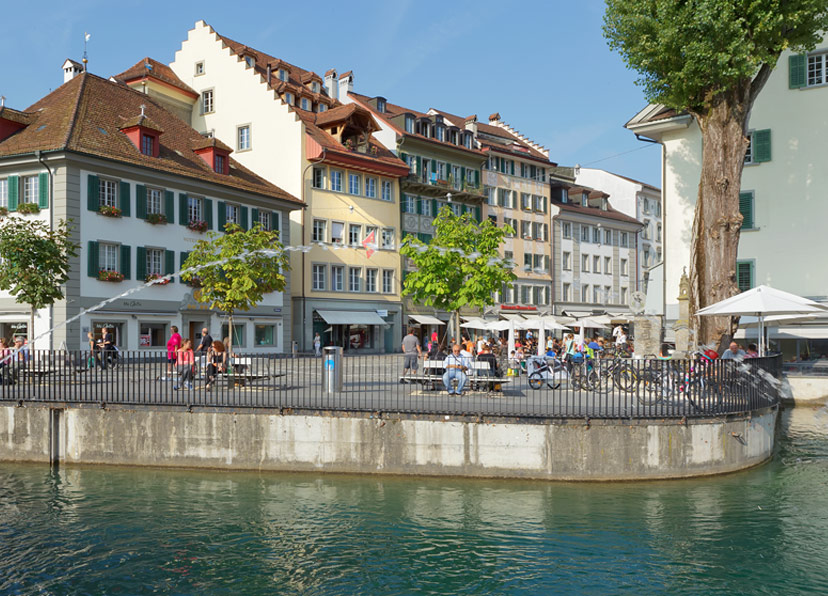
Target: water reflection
[(96, 530)]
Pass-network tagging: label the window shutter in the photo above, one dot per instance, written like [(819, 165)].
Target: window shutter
[(92, 259), (255, 217), (274, 223), (141, 201), (126, 257), (744, 275), (419, 203), (477, 178), (419, 164), (208, 213), (14, 188), (746, 209), (512, 166), (183, 217), (169, 263), (125, 198), (43, 189), (183, 258), (433, 166), (797, 71), (140, 263), (462, 174), (244, 222), (93, 198), (761, 145), (477, 213), (169, 206), (448, 171), (222, 215), (403, 156), (434, 207)]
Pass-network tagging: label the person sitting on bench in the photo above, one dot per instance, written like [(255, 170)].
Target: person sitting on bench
[(486, 355), (456, 367)]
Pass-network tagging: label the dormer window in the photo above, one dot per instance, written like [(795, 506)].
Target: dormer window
[(564, 196), (315, 87), (143, 133), (283, 76), (380, 105), (467, 140), (439, 133), (218, 163), (409, 124), (250, 60), (147, 144), (585, 199), (322, 107), (306, 105), (289, 98), (215, 154)]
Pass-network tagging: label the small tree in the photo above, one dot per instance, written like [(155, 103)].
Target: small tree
[(460, 267), (233, 269), (712, 58), (34, 263)]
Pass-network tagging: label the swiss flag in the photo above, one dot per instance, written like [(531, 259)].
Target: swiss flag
[(369, 243)]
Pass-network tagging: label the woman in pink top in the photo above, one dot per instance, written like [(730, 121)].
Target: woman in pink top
[(185, 360), (172, 348)]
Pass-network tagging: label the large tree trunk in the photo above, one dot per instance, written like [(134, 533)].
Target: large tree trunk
[(717, 219)]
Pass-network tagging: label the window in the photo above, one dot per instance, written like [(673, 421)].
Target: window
[(337, 232), (371, 280), (596, 294), (526, 230), (525, 294), (31, 189), (243, 137), (646, 257), (337, 278), (371, 187), (566, 230), (537, 231), (305, 104), (250, 61), (322, 107), (596, 264), (265, 220), (607, 236), (4, 192), (147, 144), (624, 243), (387, 281), (238, 333), (154, 204), (233, 214), (409, 204), (388, 239), (319, 232), (566, 292), (409, 124), (218, 163), (108, 193), (624, 297), (566, 261), (354, 279), (585, 201), (457, 209), (584, 233), (318, 277), (387, 192), (645, 206), (596, 235), (336, 180), (289, 98), (372, 230), (155, 258), (509, 257), (315, 86), (816, 69), (493, 219), (283, 76), (585, 293), (318, 179), (441, 170), (525, 201), (457, 179), (759, 146), (744, 275), (585, 263), (658, 255), (607, 265), (353, 184), (207, 105), (107, 256), (354, 234), (194, 209), (263, 335), (439, 133), (199, 68), (527, 261)]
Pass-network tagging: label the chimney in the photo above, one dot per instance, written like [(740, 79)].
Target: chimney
[(71, 69), (494, 117), (346, 84), (269, 73), (471, 124), (330, 83)]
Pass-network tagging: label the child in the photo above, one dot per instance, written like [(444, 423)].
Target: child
[(514, 364), (185, 360)]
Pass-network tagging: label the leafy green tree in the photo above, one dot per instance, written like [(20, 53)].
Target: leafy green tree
[(235, 270), (460, 267), (34, 262), (711, 58)]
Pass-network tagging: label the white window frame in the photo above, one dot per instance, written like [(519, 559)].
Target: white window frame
[(195, 209), (624, 267), (108, 192), (371, 187), (355, 279), (319, 274), (232, 213), (109, 256), (585, 293), (354, 184), (337, 278), (387, 191), (819, 60), (337, 238), (566, 260), (371, 277), (305, 104), (566, 230), (31, 189), (388, 241), (244, 137), (199, 68), (4, 192), (596, 264), (585, 263), (319, 225), (608, 265), (208, 101), (265, 220), (387, 281), (354, 230), (155, 201), (336, 180), (566, 292), (155, 261), (318, 177)]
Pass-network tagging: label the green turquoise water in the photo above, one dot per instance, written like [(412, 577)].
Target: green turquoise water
[(138, 531)]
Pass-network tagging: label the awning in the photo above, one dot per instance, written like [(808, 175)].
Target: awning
[(512, 317), (351, 317), (426, 320), (784, 333)]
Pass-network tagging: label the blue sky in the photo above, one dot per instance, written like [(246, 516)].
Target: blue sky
[(544, 66)]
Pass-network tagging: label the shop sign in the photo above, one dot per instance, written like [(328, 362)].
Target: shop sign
[(382, 313)]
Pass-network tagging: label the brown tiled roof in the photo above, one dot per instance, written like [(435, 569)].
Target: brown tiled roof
[(15, 115), (153, 69), (610, 213), (392, 110), (205, 142), (85, 116), (141, 120)]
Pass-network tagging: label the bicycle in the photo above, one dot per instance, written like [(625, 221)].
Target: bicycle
[(551, 374)]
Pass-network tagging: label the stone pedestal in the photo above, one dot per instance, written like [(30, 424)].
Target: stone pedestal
[(647, 335), (682, 325)]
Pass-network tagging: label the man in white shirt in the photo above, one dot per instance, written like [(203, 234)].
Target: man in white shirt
[(617, 332), (455, 366)]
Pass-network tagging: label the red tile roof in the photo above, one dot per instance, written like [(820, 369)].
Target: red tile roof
[(575, 206), (86, 114), (153, 69)]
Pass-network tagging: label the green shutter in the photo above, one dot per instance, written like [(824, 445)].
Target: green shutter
[(208, 212), (403, 156), (797, 71), (140, 201), (512, 166), (462, 176), (744, 275), (448, 171), (93, 197), (222, 215), (169, 263), (433, 166), (419, 165), (183, 217), (126, 262), (254, 214), (244, 222), (761, 145), (419, 202), (140, 263), (183, 256), (477, 213), (92, 260), (477, 178), (434, 207), (43, 189), (274, 223), (125, 198), (169, 206), (746, 209), (14, 188)]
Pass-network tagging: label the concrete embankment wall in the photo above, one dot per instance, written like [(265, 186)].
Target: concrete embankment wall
[(560, 450)]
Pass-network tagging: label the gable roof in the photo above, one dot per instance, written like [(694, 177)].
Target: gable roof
[(85, 116), (575, 206), (149, 68)]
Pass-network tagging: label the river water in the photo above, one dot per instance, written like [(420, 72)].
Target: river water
[(104, 530)]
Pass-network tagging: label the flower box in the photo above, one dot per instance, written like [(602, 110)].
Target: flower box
[(156, 218), (28, 208), (113, 276), (153, 276), (198, 225), (109, 211)]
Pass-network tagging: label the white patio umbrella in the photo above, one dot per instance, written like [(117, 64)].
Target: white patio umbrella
[(511, 344), (760, 302), (474, 323), (497, 325)]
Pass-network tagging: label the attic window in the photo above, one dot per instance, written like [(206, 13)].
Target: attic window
[(322, 107), (147, 144), (250, 60), (315, 87), (467, 140), (380, 105), (409, 123), (199, 68), (585, 199), (283, 76), (218, 163)]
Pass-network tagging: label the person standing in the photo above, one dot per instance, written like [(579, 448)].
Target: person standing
[(317, 345), (617, 332), (206, 341), (411, 352), (173, 344), (107, 346), (185, 361)]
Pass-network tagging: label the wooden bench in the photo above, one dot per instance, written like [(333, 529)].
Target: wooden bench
[(475, 378)]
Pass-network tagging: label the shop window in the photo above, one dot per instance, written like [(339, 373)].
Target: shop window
[(265, 335), (238, 334), (152, 335)]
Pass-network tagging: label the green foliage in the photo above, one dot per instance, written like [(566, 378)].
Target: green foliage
[(450, 279), (687, 53), (34, 260), (235, 284)]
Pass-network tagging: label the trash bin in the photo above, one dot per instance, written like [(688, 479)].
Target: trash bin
[(332, 369), (294, 347)]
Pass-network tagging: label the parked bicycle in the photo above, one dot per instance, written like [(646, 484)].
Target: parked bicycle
[(546, 370)]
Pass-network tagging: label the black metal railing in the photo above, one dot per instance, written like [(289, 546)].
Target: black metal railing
[(606, 388)]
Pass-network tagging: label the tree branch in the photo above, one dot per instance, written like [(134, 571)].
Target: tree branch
[(759, 82)]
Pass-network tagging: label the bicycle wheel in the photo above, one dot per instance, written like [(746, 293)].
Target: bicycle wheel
[(536, 380), (711, 394), (652, 388), (625, 377), (556, 376)]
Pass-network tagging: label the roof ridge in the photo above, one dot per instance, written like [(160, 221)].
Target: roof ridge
[(74, 119), (536, 146)]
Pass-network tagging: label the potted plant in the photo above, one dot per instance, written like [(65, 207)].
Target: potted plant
[(4, 211), (349, 144), (373, 150), (27, 208), (197, 225), (156, 218), (153, 276), (109, 211), (195, 282), (113, 276)]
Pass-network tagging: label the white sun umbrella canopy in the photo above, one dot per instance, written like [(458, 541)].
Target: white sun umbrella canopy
[(474, 323), (761, 302)]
